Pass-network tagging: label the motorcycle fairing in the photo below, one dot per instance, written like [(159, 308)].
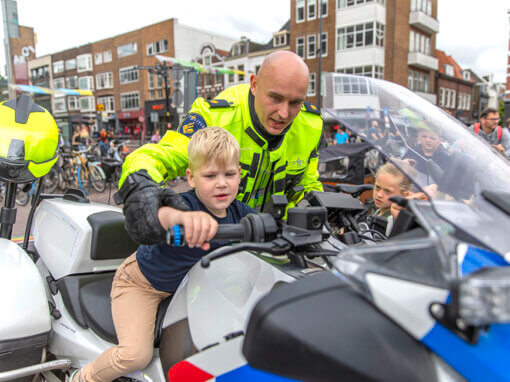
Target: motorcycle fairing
[(408, 303)]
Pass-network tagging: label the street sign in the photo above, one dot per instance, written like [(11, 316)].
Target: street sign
[(100, 107), (154, 117)]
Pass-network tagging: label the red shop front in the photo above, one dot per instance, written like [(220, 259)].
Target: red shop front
[(132, 123)]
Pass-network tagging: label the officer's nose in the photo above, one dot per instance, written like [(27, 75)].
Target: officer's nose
[(283, 112)]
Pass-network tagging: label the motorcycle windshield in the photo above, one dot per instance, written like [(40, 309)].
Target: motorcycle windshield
[(463, 176)]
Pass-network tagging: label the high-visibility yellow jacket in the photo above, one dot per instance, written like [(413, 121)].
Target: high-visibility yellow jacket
[(282, 170)]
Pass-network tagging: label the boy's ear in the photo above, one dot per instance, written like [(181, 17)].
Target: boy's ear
[(191, 180)]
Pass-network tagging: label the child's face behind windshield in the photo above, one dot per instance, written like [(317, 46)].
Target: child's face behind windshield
[(386, 185)]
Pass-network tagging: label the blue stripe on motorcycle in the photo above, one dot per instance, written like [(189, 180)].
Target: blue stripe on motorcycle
[(487, 360), (477, 258), (248, 373)]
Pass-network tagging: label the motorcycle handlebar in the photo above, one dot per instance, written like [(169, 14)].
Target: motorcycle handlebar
[(252, 228)]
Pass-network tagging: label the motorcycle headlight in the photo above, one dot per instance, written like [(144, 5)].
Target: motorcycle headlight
[(483, 297)]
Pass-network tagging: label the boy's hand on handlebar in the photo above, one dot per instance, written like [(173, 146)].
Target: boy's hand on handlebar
[(199, 227), (395, 208)]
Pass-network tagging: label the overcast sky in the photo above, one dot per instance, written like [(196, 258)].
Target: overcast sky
[(474, 32)]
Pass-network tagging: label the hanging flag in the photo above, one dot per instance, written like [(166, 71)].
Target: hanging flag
[(42, 90), (199, 67)]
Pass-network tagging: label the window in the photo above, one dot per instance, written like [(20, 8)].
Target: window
[(424, 6), (72, 82), (72, 103), (419, 43), (280, 39), (127, 50), (87, 104), (84, 62), (418, 81), (373, 71), (311, 85), (448, 69), (157, 47), (151, 80), (59, 83), (130, 101), (104, 80), (128, 74), (86, 83), (324, 8), (108, 102), (311, 48), (324, 44), (59, 105), (238, 49), (311, 9), (207, 80), (300, 11), (360, 35), (58, 67), (240, 76), (231, 76), (352, 85), (300, 47), (71, 64), (466, 75), (98, 58), (350, 3), (442, 94), (38, 73), (107, 56), (160, 81)]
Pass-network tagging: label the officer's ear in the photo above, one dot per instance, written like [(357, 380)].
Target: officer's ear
[(191, 180), (253, 84)]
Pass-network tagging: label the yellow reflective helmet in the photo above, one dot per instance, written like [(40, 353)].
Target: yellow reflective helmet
[(28, 140)]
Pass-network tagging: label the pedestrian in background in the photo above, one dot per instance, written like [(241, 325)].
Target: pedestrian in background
[(155, 137), (341, 136), (489, 130)]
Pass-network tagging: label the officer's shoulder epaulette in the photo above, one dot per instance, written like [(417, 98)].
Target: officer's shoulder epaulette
[(311, 108), (217, 103)]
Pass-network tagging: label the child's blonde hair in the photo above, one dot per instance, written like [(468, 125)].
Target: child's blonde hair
[(407, 165), (213, 144)]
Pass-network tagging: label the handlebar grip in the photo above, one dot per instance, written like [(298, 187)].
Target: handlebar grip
[(225, 232)]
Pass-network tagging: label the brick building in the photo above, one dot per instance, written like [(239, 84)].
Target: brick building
[(454, 88), (123, 96), (389, 39)]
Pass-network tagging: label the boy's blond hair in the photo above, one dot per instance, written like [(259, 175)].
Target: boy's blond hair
[(213, 144)]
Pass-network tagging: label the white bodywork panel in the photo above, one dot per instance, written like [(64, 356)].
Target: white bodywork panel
[(25, 310), (218, 300), (407, 303), (62, 236)]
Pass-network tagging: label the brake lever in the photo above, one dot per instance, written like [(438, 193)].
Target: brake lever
[(276, 247)]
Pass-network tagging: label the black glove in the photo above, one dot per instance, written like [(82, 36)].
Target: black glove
[(142, 199)]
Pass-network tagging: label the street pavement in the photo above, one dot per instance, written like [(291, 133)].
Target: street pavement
[(105, 197)]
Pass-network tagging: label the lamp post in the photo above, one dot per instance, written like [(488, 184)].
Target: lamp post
[(319, 52)]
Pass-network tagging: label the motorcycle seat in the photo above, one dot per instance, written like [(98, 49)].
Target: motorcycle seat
[(87, 299)]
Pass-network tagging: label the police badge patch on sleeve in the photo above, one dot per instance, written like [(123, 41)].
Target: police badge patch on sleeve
[(192, 123)]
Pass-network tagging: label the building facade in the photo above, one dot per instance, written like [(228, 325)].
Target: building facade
[(390, 39), (110, 69), (455, 88)]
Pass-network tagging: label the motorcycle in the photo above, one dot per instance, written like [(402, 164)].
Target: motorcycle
[(61, 316)]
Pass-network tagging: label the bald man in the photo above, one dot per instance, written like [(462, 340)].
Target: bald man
[(278, 132)]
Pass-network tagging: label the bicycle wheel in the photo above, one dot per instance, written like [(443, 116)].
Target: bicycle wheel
[(84, 180), (22, 198), (98, 178), (50, 181)]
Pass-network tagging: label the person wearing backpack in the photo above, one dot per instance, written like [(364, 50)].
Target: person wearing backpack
[(489, 130)]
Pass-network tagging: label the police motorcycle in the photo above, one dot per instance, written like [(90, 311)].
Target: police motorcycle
[(430, 303), (58, 315)]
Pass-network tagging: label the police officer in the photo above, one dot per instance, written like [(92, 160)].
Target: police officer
[(278, 132)]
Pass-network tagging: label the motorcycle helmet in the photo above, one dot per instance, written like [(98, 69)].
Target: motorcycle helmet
[(28, 140)]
